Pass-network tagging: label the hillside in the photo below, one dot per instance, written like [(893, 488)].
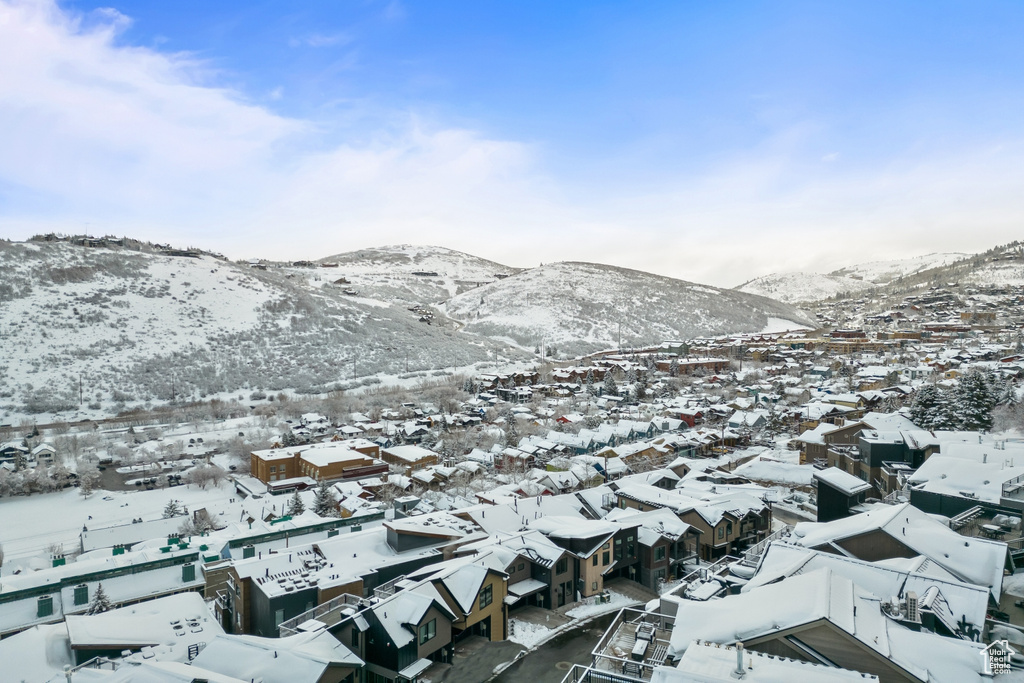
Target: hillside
[(581, 307), (414, 274), (885, 272), (133, 328), (803, 287), (850, 281)]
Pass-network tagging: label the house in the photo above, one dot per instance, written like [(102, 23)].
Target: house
[(728, 523), (409, 457), (330, 460), (946, 604), (838, 492), (263, 591), (823, 617), (170, 624), (666, 543), (310, 657), (474, 592), (902, 531), (534, 564), (748, 419), (604, 550)]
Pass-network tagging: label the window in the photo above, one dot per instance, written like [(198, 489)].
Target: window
[(605, 558), (81, 594), (562, 565), (659, 553), (593, 586), (428, 630), (721, 532), (273, 469), (278, 617), (606, 546), (595, 559), (521, 566), (486, 595), (618, 548)]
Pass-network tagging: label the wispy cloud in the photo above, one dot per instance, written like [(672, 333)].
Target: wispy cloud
[(322, 40), (138, 141)]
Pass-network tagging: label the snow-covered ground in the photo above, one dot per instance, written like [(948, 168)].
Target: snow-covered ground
[(590, 607), (526, 633)]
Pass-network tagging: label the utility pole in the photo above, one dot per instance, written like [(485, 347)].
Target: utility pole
[(79, 390)]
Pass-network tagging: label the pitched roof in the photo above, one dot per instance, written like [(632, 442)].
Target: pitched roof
[(975, 560)]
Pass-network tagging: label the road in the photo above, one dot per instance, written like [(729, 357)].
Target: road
[(550, 662)]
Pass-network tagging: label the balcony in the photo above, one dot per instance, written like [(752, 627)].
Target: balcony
[(635, 643), (328, 613)]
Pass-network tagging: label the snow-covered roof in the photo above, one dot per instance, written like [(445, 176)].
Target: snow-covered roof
[(975, 560), (825, 595), (966, 477), (714, 663), (841, 481), (301, 658), (884, 579), (130, 534)]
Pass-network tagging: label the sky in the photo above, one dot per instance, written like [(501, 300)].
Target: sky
[(711, 141)]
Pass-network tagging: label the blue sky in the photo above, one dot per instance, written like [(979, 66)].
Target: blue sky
[(713, 141)]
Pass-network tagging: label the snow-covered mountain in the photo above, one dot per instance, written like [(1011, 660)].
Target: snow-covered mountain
[(584, 307), (135, 327), (86, 331), (885, 272), (415, 274), (803, 287)]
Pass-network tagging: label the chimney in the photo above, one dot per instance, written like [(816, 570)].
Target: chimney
[(740, 672)]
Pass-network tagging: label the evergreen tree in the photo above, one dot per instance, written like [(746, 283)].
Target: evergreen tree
[(172, 509), (100, 602), (295, 506), (289, 439), (590, 383), (673, 368), (324, 502), (511, 430), (975, 397), (1008, 395), (609, 384), (929, 408)]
